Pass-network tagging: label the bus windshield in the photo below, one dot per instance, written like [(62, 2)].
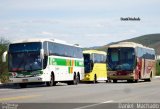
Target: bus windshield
[(25, 57), (121, 58)]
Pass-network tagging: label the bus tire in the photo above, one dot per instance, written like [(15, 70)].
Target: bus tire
[(78, 78), (149, 79), (136, 81), (139, 77), (23, 85), (52, 81), (114, 81), (106, 81), (74, 81), (95, 79)]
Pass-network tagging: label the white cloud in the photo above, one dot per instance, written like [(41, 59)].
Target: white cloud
[(73, 5), (87, 22)]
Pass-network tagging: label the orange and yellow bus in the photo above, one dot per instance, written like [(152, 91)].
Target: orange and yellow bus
[(130, 61)]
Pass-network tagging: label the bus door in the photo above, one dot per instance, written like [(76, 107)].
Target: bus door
[(88, 63)]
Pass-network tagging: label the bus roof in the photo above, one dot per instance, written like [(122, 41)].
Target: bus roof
[(128, 44), (94, 51), (42, 40)]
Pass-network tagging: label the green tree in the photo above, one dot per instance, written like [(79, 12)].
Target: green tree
[(158, 67), (3, 66)]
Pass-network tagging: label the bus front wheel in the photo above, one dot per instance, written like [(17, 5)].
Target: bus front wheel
[(52, 81)]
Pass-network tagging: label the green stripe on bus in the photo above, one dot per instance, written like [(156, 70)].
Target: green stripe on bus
[(65, 62), (79, 63), (56, 61)]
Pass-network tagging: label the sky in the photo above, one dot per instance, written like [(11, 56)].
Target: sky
[(85, 22)]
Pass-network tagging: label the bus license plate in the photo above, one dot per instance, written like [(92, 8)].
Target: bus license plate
[(24, 80)]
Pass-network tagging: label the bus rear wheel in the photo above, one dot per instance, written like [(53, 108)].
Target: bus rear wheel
[(136, 81), (149, 79), (75, 81), (95, 79), (23, 85)]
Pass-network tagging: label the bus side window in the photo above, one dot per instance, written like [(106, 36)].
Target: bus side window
[(45, 48)]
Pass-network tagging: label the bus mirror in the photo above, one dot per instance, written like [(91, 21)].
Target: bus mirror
[(42, 54), (4, 56)]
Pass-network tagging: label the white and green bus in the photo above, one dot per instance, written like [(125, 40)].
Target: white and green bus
[(44, 60)]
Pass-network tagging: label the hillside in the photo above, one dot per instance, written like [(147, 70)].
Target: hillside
[(151, 40)]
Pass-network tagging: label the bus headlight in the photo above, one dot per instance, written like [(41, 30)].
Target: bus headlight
[(131, 74), (36, 73), (13, 74), (87, 76)]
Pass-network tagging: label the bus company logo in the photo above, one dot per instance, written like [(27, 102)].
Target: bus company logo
[(52, 61)]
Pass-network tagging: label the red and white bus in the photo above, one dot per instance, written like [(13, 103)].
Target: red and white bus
[(130, 61)]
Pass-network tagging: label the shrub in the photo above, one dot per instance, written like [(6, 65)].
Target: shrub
[(3, 66)]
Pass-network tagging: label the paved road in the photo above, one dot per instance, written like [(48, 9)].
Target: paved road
[(84, 96)]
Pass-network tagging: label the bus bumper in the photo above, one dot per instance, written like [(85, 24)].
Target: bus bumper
[(88, 77), (25, 80), (121, 75), (127, 77)]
